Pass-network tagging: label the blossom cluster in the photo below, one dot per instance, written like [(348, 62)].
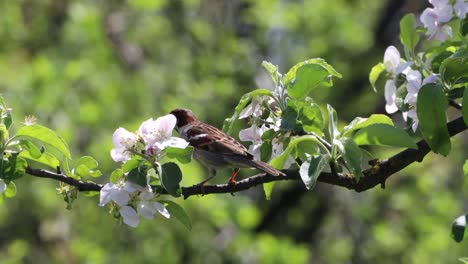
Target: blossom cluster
[(156, 135), (395, 66), (152, 137), (254, 133), (435, 18), (128, 196)]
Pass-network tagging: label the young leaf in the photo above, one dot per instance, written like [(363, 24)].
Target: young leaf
[(182, 155), (130, 165), (455, 67), (307, 78), (312, 118), (384, 135), (268, 189), (279, 161), (360, 122), (352, 155), (272, 70), (3, 134), (116, 176), (430, 108), (332, 122), (464, 26), (374, 75), (289, 118), (10, 191), (46, 159), (266, 150), (44, 136), (245, 99), (408, 35), (87, 166), (459, 227), (14, 167), (171, 177), (292, 72), (178, 212), (34, 151), (311, 169), (465, 106)]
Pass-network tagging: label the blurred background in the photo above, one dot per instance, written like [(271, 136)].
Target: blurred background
[(84, 68)]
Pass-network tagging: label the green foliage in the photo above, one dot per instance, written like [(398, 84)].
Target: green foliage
[(170, 178), (46, 137), (455, 68), (408, 35), (86, 166), (352, 155), (178, 212), (311, 169), (375, 75), (431, 107), (383, 135), (465, 106)]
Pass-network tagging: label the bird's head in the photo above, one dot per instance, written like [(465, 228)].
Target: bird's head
[(183, 116)]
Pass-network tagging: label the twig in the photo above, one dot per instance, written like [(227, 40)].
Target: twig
[(374, 176)]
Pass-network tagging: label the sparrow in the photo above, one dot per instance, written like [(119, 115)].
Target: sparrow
[(214, 149)]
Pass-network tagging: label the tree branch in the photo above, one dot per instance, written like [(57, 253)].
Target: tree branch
[(377, 174)]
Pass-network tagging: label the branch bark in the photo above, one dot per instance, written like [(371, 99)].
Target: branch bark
[(376, 175)]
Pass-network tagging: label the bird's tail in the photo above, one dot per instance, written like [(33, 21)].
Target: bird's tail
[(266, 168)]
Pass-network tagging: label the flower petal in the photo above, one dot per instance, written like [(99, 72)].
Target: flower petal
[(174, 142), (146, 209), (165, 125), (161, 209), (391, 59), (120, 196), (105, 193), (129, 216)]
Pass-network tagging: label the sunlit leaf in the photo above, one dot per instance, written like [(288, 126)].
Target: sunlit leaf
[(360, 122), (384, 135), (44, 136), (352, 155), (332, 122), (272, 70), (408, 35), (465, 106), (87, 166), (375, 74), (10, 191), (182, 155)]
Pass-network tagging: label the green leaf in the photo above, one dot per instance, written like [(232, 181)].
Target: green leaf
[(465, 106), (138, 175), (244, 101), (3, 134), (116, 176), (375, 74), (384, 135), (308, 77), (130, 164), (279, 161), (430, 108), (34, 151), (266, 150), (182, 155), (87, 166), (465, 168), (14, 167), (289, 117), (458, 228), (455, 67), (360, 122), (10, 191), (45, 159), (332, 122), (312, 118), (178, 212), (170, 178), (46, 137), (268, 189), (272, 70), (352, 156), (408, 35), (291, 75), (464, 26), (311, 169)]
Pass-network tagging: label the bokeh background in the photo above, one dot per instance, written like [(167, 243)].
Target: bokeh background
[(85, 68)]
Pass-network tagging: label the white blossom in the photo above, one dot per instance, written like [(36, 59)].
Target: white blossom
[(253, 134), (460, 8), (113, 192), (129, 216), (157, 134), (435, 19), (390, 97), (123, 141)]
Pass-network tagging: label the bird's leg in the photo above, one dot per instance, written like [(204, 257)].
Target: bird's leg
[(233, 175), (212, 174)]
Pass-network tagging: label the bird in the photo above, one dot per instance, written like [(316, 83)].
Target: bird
[(214, 149)]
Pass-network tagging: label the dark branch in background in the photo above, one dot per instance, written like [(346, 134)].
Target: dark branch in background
[(377, 174)]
